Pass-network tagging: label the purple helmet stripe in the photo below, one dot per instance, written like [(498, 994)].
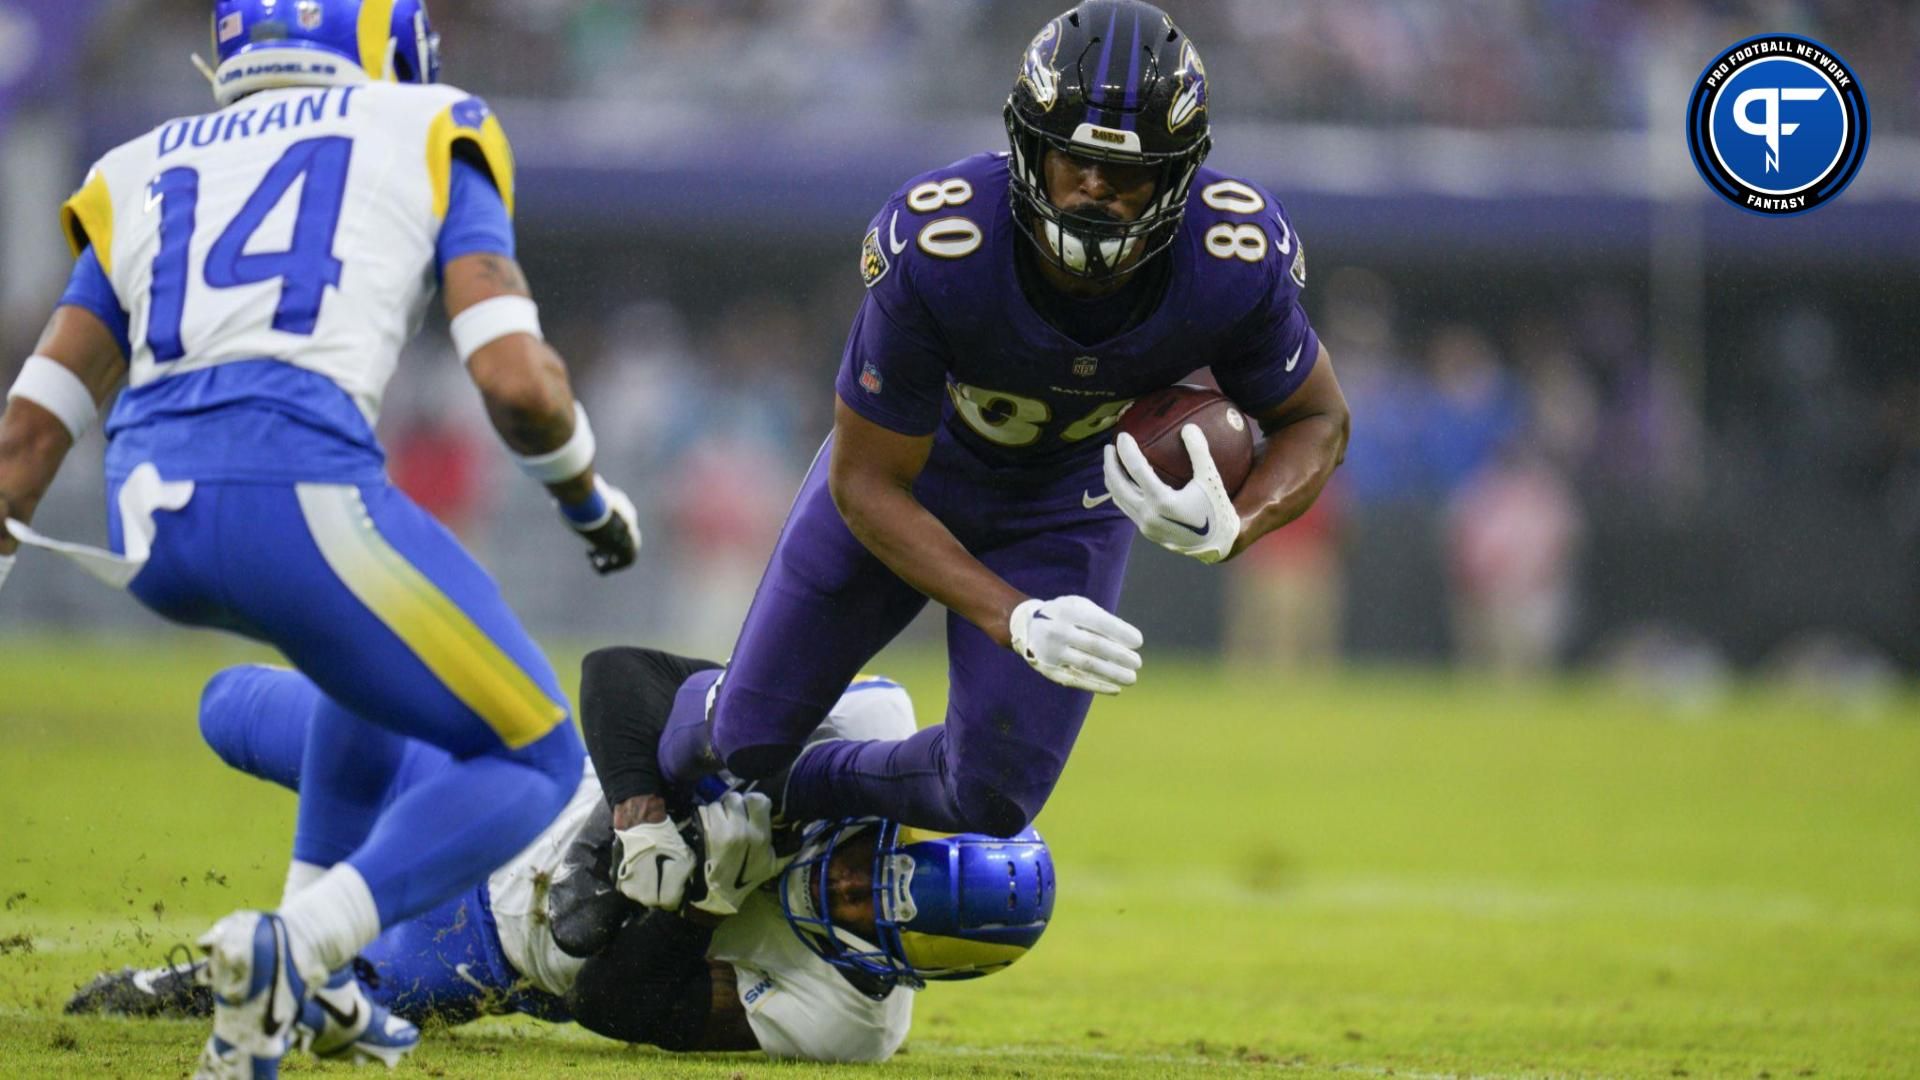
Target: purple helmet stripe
[(1129, 119), (1106, 55)]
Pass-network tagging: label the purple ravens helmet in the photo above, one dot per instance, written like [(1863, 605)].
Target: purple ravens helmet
[(1112, 80), (261, 44), (945, 905)]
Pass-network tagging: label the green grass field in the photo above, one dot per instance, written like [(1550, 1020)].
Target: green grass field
[(1374, 875)]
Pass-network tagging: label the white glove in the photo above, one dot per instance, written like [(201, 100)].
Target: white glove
[(652, 863), (1075, 642), (1197, 520), (738, 830)]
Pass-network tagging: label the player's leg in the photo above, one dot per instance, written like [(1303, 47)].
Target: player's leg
[(994, 761), (824, 608), (407, 637), (255, 717)]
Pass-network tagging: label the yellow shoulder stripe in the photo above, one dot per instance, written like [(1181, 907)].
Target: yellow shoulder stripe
[(469, 121), (87, 218)]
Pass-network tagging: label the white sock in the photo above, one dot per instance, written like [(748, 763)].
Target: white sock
[(329, 921), (299, 876)]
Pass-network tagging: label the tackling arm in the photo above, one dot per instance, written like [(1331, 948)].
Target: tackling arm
[(530, 401), (1306, 440), (626, 697), (34, 439)]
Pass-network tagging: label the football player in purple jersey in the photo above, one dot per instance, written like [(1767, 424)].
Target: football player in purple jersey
[(1016, 303)]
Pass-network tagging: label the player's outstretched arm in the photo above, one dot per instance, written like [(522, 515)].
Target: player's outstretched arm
[(1069, 639), (496, 329), (1306, 441), (55, 400)]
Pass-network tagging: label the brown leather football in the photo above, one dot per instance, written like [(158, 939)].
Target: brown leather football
[(1155, 420)]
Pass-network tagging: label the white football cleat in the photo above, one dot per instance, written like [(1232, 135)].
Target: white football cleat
[(339, 1023), (257, 995)]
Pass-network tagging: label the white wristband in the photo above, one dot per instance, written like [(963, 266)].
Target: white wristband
[(54, 387), (490, 320), (567, 462)]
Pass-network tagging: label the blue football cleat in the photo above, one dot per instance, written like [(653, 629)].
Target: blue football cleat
[(339, 1023), (257, 995)]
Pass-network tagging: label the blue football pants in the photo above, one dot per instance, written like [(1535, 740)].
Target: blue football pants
[(404, 637)]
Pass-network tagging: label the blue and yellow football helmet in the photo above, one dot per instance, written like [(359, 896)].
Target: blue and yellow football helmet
[(945, 905), (262, 44)]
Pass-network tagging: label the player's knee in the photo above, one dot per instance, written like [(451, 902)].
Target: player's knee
[(559, 756), (982, 809), (761, 762), (224, 713)]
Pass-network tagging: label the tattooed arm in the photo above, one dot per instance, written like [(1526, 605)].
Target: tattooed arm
[(521, 378)]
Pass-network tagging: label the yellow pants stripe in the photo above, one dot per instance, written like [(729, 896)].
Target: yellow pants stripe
[(459, 654)]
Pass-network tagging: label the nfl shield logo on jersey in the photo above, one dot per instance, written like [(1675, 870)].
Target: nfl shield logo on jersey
[(870, 379), (309, 13), (1085, 366)]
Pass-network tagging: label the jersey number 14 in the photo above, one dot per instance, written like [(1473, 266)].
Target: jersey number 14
[(305, 270)]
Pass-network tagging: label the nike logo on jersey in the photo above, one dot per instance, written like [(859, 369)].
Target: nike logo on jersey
[(1295, 358), (893, 238), (465, 971), (1089, 500)]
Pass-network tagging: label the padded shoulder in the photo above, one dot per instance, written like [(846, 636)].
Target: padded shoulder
[(932, 226), (1224, 213), (466, 125), (87, 219)]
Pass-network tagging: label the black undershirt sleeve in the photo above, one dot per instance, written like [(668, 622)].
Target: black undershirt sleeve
[(652, 985), (626, 694)]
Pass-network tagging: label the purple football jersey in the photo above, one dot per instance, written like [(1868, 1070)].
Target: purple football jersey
[(947, 341)]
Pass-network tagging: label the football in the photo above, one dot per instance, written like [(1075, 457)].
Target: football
[(1155, 420)]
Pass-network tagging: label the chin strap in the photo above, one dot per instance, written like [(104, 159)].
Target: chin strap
[(206, 70)]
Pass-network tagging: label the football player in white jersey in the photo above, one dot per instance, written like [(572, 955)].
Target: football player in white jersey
[(252, 274), (549, 935)]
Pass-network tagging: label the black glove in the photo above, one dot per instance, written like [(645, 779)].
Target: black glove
[(584, 909)]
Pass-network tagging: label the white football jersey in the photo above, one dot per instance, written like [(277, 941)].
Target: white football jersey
[(296, 224), (797, 1004)]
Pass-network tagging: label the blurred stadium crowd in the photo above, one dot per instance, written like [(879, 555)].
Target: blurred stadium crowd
[(1471, 63), (1541, 473)]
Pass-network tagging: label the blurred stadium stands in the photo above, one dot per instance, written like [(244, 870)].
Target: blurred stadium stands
[(1600, 417)]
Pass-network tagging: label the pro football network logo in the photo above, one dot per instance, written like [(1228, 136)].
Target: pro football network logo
[(1778, 124)]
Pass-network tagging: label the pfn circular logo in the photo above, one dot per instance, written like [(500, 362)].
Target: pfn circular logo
[(1778, 124)]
